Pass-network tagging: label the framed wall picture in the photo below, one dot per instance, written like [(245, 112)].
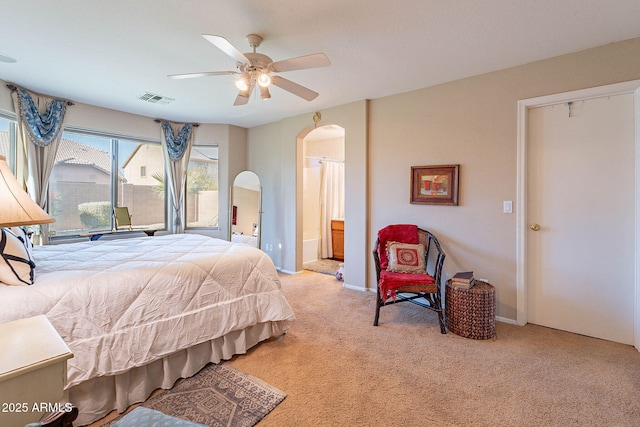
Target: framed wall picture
[(434, 185)]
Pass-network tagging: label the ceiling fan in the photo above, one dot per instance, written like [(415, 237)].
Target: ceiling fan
[(255, 69)]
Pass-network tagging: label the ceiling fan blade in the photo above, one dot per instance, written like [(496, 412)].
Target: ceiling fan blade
[(224, 45), (202, 74), (294, 88), (241, 100), (315, 60)]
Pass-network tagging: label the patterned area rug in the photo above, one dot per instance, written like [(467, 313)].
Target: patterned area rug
[(218, 395)]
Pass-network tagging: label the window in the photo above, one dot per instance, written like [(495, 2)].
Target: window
[(85, 182), (94, 172), (202, 187)]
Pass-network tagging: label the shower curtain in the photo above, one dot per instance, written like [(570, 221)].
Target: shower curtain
[(331, 202)]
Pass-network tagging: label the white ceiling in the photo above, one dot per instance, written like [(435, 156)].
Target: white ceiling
[(107, 53)]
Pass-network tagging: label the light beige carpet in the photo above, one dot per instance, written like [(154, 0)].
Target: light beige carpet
[(339, 370)]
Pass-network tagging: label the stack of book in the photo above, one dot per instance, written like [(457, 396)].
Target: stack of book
[(463, 279)]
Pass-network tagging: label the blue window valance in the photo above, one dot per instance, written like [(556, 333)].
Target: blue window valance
[(44, 128), (176, 145)]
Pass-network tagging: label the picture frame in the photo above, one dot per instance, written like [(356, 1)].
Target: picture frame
[(435, 185)]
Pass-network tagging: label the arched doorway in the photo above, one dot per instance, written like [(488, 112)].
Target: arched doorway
[(321, 168)]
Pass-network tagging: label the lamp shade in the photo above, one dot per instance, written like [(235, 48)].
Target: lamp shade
[(16, 207)]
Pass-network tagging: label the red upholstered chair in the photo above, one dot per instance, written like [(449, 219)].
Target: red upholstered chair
[(409, 268)]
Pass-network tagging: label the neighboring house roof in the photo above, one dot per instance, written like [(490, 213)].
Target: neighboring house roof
[(131, 156), (198, 156), (74, 153), (71, 152)]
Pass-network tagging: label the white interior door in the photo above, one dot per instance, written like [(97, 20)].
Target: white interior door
[(580, 191)]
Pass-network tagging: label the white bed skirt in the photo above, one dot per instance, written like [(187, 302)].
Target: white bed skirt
[(97, 397)]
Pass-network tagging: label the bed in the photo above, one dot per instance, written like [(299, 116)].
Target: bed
[(140, 313)]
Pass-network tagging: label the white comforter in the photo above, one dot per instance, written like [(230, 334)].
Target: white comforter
[(124, 303)]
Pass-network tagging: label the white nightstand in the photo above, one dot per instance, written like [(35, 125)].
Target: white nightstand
[(33, 370)]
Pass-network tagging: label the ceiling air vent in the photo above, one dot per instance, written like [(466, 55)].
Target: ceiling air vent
[(155, 99)]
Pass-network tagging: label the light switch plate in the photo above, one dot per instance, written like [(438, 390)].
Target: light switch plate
[(507, 206)]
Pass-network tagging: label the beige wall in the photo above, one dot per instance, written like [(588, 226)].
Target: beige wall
[(275, 154), (471, 122), (232, 155)]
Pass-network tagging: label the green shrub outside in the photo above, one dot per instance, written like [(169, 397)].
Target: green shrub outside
[(95, 214)]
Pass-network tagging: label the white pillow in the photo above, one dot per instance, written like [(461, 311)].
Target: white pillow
[(16, 265)]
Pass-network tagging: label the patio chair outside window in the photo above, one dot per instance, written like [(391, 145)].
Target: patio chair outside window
[(122, 218)]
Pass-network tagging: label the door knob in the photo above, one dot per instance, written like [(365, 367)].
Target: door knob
[(535, 227)]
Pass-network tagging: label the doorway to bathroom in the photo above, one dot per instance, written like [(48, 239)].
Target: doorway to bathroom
[(323, 199)]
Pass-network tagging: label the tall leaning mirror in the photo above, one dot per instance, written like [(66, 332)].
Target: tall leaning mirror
[(245, 216)]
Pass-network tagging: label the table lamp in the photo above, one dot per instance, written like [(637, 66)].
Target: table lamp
[(16, 207)]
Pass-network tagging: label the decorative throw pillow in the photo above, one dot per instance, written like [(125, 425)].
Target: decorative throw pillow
[(22, 234), (16, 265), (406, 258)]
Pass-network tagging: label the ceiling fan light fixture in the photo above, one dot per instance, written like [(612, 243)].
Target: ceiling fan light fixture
[(242, 84), (264, 80), (264, 92)]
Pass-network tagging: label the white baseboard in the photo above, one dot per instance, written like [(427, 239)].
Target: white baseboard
[(506, 320), (355, 288)]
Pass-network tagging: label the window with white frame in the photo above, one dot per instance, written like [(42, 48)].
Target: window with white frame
[(93, 172)]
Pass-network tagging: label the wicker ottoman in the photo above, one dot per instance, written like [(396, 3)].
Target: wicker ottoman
[(471, 313)]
